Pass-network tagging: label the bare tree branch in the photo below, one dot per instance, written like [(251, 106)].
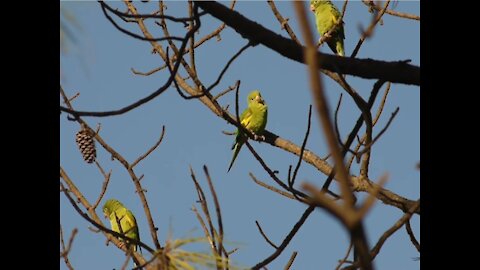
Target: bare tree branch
[(410, 233), (104, 185), (393, 229), (376, 249), (291, 181), (265, 236), (217, 209), (148, 73), (140, 158), (66, 249), (369, 30), (290, 261), (342, 261), (396, 72), (285, 241), (371, 4), (149, 16), (283, 22)]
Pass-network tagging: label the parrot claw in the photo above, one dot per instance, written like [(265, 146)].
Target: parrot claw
[(258, 137), (122, 244)]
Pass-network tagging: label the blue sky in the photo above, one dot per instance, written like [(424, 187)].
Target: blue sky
[(98, 66)]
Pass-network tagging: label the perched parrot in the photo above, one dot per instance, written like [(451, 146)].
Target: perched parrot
[(253, 118), (326, 16), (118, 214)]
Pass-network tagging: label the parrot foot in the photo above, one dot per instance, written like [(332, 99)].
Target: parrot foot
[(122, 244), (258, 137)]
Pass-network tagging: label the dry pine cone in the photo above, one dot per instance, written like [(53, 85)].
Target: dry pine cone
[(86, 144)]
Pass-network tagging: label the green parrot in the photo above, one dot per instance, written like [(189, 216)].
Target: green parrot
[(326, 16), (253, 118), (118, 214)]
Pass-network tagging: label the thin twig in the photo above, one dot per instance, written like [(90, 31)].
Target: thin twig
[(371, 4), (203, 202), (368, 145), (374, 121), (229, 89), (265, 236), (74, 97), (104, 186), (217, 209), (335, 118), (369, 30), (373, 95), (235, 56), (342, 261), (175, 83), (291, 182), (272, 174), (140, 158), (148, 73), (179, 54), (272, 188), (283, 22), (290, 261), (287, 239), (66, 250), (228, 133), (408, 227), (205, 229), (393, 229), (376, 249), (213, 33)]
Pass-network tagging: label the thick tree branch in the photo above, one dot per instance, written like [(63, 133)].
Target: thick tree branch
[(396, 72)]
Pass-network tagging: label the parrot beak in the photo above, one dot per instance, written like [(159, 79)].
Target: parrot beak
[(259, 99), (312, 8)]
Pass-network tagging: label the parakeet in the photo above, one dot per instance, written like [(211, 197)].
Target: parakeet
[(326, 16), (118, 214), (253, 118)]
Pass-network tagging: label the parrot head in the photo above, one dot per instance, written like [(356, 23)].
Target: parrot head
[(316, 3), (255, 97), (110, 206)]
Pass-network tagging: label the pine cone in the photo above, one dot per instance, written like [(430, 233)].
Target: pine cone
[(86, 144)]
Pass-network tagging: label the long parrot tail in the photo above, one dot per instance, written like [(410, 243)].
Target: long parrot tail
[(336, 46), (133, 259), (236, 149), (340, 49)]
